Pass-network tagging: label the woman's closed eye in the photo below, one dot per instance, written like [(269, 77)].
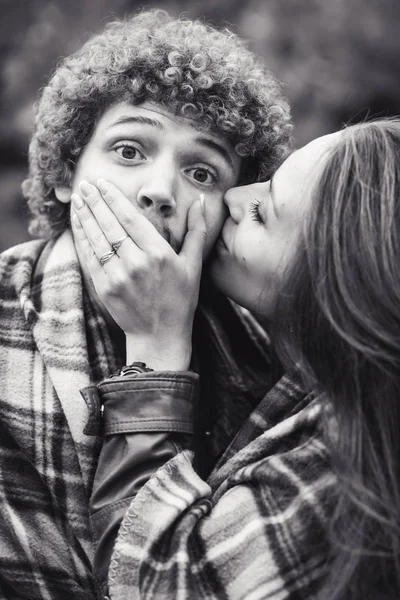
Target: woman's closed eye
[(254, 210)]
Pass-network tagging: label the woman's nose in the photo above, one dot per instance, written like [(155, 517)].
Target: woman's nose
[(235, 199)]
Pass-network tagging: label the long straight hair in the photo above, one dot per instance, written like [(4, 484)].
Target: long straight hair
[(339, 318)]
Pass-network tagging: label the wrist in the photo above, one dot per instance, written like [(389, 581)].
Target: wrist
[(132, 369), (168, 357)]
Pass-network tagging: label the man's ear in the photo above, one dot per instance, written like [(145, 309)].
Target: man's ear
[(63, 194)]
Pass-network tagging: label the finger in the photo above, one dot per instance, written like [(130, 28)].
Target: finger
[(105, 218), (136, 225), (90, 233), (194, 242), (95, 269)]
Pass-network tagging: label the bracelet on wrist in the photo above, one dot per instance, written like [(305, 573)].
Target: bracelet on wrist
[(134, 369)]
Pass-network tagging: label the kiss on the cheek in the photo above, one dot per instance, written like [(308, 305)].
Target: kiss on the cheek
[(161, 163), (154, 109)]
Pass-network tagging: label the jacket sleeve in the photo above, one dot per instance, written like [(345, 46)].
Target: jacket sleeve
[(147, 420), (259, 532)]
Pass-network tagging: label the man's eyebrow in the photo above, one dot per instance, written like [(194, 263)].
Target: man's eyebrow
[(213, 145), (126, 120)]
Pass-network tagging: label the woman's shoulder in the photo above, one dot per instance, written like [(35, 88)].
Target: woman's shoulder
[(286, 418), (283, 448), (287, 474)]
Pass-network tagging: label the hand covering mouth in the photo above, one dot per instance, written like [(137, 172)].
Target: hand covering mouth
[(167, 234)]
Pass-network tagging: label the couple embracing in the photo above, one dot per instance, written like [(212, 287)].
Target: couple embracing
[(156, 441)]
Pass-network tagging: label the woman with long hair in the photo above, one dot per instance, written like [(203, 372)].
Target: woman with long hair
[(305, 502)]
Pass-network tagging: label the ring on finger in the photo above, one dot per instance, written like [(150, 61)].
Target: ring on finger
[(106, 257), (117, 245)]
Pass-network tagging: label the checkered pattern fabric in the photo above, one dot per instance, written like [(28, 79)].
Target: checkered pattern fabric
[(47, 463), (257, 529), (53, 343)]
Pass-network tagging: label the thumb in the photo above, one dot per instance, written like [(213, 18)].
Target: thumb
[(195, 239)]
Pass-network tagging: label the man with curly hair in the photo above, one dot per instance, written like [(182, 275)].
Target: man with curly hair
[(165, 110)]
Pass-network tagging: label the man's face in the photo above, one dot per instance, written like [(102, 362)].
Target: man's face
[(162, 164)]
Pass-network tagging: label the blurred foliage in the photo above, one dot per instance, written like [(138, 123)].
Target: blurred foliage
[(339, 61)]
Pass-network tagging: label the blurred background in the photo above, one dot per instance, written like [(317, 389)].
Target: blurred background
[(338, 59)]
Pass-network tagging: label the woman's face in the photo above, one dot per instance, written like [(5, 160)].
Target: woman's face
[(259, 237)]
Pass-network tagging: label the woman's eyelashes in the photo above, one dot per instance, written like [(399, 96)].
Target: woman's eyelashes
[(254, 210)]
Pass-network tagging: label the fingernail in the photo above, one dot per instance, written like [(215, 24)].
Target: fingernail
[(77, 222), (202, 203), (103, 186), (86, 188), (77, 201)]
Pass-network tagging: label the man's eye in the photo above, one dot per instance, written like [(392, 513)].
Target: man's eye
[(129, 152), (202, 175)]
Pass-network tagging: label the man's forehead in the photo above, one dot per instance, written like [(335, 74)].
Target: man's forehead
[(153, 108), (159, 117)]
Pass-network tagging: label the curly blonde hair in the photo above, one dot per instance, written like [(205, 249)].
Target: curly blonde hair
[(188, 67)]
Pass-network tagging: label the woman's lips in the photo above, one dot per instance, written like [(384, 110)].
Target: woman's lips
[(221, 242), (221, 246), (225, 234)]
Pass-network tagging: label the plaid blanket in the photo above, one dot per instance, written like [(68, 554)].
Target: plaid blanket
[(257, 529), (52, 345), (47, 463)]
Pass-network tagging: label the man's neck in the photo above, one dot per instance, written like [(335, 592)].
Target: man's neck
[(117, 335)]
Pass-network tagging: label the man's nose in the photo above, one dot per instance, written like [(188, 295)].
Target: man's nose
[(158, 193)]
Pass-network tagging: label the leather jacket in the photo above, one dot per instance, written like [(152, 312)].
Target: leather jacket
[(142, 431)]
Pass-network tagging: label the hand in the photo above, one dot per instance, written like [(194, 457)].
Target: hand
[(150, 291)]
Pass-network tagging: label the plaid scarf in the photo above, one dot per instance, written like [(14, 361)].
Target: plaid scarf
[(47, 463), (256, 530), (53, 342)]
